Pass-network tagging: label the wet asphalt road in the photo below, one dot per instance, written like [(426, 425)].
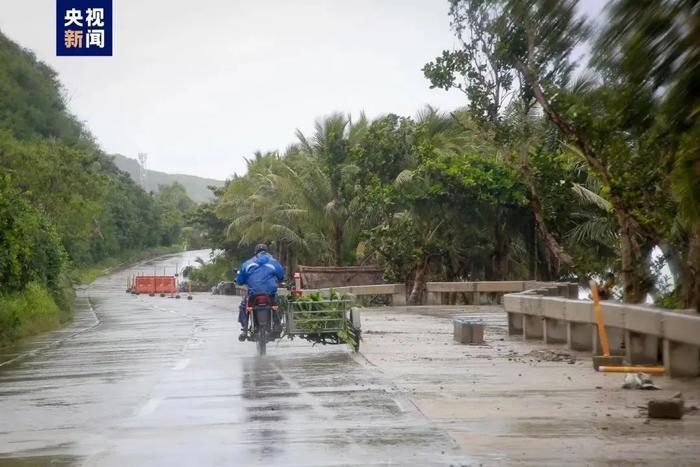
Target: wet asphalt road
[(139, 380)]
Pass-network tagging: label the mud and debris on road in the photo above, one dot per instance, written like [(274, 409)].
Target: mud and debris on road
[(511, 401)]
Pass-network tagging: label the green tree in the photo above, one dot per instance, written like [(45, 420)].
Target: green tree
[(331, 146), (172, 204), (498, 100), (30, 248)]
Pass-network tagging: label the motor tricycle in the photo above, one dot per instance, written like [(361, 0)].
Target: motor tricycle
[(329, 319), (264, 320)]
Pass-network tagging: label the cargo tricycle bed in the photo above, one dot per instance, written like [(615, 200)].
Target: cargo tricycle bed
[(321, 320)]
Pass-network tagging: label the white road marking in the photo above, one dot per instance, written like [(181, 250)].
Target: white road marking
[(182, 364), (149, 407), (400, 405)]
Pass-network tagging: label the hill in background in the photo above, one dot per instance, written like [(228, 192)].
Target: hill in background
[(196, 186)]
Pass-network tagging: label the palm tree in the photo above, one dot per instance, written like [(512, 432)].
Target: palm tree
[(330, 147), (279, 200)]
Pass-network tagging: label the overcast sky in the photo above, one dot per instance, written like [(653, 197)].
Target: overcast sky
[(201, 85)]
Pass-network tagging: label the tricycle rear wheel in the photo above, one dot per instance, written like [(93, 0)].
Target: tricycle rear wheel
[(262, 340)]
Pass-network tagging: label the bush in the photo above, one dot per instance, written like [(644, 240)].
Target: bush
[(210, 274), (30, 248)]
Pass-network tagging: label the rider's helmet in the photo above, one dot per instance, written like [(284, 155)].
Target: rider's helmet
[(260, 247)]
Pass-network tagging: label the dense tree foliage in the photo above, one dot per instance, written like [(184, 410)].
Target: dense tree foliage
[(422, 196), (632, 117), (555, 168)]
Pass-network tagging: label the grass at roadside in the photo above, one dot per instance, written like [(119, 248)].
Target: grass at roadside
[(31, 311)]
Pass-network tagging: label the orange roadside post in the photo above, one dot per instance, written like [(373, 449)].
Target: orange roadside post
[(652, 370), (612, 363), (605, 360), (598, 312)]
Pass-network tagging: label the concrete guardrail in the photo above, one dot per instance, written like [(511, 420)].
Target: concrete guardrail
[(553, 313), (644, 334), (438, 292)]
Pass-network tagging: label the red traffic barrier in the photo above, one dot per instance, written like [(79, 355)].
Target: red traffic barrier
[(155, 285)]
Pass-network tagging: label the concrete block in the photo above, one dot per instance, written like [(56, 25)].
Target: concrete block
[(579, 336), (681, 359), (533, 327), (666, 408), (515, 323), (573, 291), (555, 331), (477, 334), (680, 327), (641, 348), (611, 360), (468, 332)]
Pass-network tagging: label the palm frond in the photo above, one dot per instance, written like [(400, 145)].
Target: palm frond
[(404, 178), (587, 196), (598, 229)]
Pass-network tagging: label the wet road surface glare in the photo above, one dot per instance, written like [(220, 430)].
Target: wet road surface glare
[(139, 380)]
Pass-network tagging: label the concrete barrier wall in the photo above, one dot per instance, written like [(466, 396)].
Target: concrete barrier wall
[(644, 334), (552, 312), (438, 292)]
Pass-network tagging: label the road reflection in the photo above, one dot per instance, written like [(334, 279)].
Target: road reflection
[(264, 392)]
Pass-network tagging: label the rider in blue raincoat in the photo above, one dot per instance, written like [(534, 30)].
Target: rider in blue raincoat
[(261, 273)]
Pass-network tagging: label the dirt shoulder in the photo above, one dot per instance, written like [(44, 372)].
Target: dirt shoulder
[(515, 402)]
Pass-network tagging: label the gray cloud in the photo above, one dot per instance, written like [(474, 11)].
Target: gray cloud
[(201, 85)]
